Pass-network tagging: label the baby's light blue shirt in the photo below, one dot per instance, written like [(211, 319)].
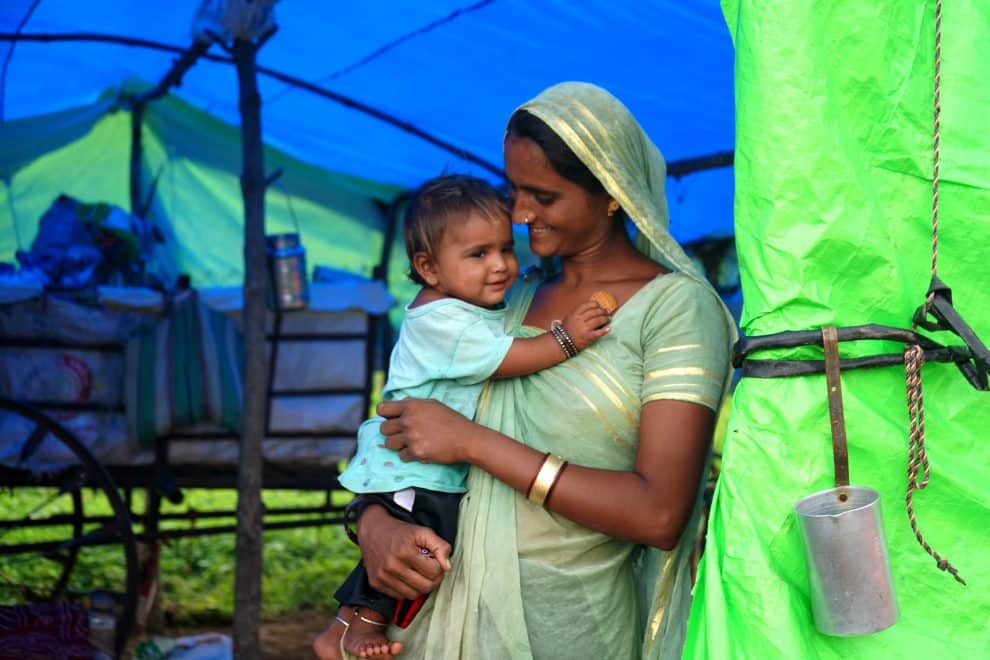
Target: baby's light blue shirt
[(446, 351)]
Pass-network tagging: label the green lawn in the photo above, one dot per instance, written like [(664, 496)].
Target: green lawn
[(301, 568)]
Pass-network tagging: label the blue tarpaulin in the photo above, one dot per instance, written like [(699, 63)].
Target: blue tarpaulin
[(452, 70)]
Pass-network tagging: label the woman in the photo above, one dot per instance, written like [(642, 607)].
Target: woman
[(601, 569)]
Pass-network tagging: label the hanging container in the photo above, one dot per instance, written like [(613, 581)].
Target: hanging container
[(848, 570), (287, 285)]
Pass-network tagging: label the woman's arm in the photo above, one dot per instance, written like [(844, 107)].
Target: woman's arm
[(650, 504)]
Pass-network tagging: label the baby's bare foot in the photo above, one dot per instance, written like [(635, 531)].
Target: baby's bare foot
[(327, 645), (365, 637)]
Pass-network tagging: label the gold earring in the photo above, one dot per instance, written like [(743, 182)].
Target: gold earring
[(613, 206)]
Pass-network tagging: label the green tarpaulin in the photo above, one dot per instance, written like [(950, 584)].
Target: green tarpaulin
[(194, 160), (833, 227)]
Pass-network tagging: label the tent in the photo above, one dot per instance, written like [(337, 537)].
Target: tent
[(834, 223), (360, 101), (406, 90), (191, 161)]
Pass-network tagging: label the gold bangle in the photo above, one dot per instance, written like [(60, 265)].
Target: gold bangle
[(545, 478)]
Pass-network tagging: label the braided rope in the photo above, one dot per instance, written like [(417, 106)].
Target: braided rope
[(914, 358), (935, 144), (914, 355)]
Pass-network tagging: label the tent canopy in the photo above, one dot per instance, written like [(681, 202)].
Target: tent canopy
[(453, 70)]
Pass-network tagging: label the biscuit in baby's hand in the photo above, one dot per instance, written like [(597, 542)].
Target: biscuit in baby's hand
[(606, 301)]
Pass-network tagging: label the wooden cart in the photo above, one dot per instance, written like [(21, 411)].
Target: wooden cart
[(65, 430)]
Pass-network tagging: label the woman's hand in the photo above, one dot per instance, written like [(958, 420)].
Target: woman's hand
[(394, 557), (426, 430)]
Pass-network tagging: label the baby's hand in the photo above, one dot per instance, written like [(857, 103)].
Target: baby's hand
[(586, 323)]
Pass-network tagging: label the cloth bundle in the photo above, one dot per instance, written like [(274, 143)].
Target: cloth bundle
[(44, 630), (183, 370)]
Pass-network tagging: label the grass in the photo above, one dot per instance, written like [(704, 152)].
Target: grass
[(301, 567)]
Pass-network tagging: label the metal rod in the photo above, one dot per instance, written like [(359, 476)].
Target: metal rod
[(45, 547), (678, 168)]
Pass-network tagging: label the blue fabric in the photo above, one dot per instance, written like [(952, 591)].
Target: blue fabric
[(452, 68)]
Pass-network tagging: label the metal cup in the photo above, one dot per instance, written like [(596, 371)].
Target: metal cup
[(288, 287), (851, 589)]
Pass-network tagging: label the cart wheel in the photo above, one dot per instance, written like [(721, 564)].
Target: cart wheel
[(71, 517)]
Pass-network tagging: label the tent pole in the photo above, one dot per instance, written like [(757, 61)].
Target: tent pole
[(139, 207), (247, 581), (137, 117), (172, 78)]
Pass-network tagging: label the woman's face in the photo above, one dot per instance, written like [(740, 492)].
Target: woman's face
[(565, 219)]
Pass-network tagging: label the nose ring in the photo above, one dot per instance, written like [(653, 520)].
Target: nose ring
[(527, 219)]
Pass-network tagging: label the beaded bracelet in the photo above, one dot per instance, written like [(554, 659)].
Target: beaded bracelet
[(566, 343), (567, 339), (560, 342)]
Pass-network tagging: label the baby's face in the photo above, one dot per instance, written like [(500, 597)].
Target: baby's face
[(475, 260)]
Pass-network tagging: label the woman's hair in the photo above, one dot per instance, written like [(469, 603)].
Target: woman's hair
[(441, 201), (562, 159)]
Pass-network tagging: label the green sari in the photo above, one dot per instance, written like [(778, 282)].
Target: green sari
[(526, 582)]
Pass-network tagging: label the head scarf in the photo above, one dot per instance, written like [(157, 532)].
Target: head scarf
[(605, 136)]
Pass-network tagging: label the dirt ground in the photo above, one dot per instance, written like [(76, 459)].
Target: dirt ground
[(286, 638)]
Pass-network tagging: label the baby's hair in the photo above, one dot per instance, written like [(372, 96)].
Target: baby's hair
[(441, 201)]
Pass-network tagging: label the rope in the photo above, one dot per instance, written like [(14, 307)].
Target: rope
[(935, 144), (914, 355), (914, 358)]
